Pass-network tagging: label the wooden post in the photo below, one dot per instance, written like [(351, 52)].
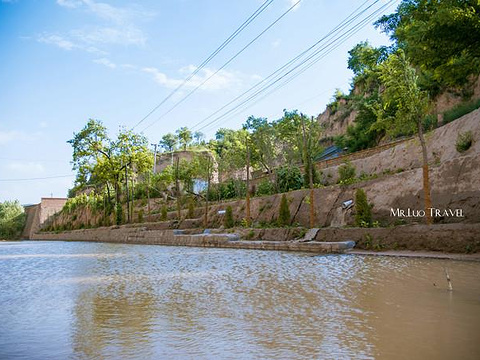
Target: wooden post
[(177, 188), (126, 191), (208, 190), (309, 163), (247, 210)]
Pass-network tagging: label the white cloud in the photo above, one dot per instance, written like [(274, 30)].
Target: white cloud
[(125, 35), (26, 167), (222, 80), (105, 62), (69, 3), (293, 2), (57, 40), (67, 43), (119, 29), (16, 136)]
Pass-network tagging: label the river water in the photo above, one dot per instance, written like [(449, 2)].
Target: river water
[(74, 300)]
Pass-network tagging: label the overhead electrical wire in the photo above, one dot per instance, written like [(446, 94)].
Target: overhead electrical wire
[(341, 25), (224, 65), (39, 178), (313, 58), (305, 63), (247, 22)]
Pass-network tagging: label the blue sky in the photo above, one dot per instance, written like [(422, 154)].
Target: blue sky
[(66, 61)]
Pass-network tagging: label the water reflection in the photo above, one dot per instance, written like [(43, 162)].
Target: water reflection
[(109, 301)]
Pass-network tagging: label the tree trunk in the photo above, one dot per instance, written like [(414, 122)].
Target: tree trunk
[(206, 195), (247, 215), (177, 188), (426, 181)]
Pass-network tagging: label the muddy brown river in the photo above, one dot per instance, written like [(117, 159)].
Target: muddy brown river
[(74, 300)]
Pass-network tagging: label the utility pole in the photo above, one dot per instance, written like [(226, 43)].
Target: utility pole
[(154, 156), (247, 215), (309, 163)]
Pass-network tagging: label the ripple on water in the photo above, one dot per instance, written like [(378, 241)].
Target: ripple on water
[(93, 300)]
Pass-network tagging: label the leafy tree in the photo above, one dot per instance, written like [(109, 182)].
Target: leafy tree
[(199, 137), (184, 136), (440, 37), (263, 140), (12, 220), (284, 212), (164, 213), (230, 149), (108, 161), (411, 105), (364, 58), (169, 142), (288, 178)]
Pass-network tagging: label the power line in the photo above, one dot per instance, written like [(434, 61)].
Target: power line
[(224, 65), (39, 178), (210, 57), (331, 46), (286, 65), (277, 73), (31, 160)]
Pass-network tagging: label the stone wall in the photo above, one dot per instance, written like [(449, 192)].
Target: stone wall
[(40, 213), (458, 238)]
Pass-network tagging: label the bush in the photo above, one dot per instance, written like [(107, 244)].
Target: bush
[(119, 214), (12, 220), (228, 221), (164, 213), (265, 187), (464, 141), (284, 213), (363, 210), (288, 178), (346, 173), (460, 110), (140, 216), (191, 209)]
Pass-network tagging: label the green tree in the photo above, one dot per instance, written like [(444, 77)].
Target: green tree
[(199, 137), (440, 37), (263, 139), (411, 105), (169, 142), (12, 220), (109, 161), (184, 136)]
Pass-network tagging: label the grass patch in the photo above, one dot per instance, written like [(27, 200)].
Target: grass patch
[(460, 110)]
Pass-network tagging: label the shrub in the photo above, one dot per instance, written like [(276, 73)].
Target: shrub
[(464, 141), (288, 178), (164, 213), (363, 210), (140, 216), (346, 173), (119, 214), (460, 110), (12, 220), (191, 209), (284, 212), (228, 221), (265, 187)]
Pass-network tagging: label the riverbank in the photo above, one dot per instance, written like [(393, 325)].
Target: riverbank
[(447, 238)]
